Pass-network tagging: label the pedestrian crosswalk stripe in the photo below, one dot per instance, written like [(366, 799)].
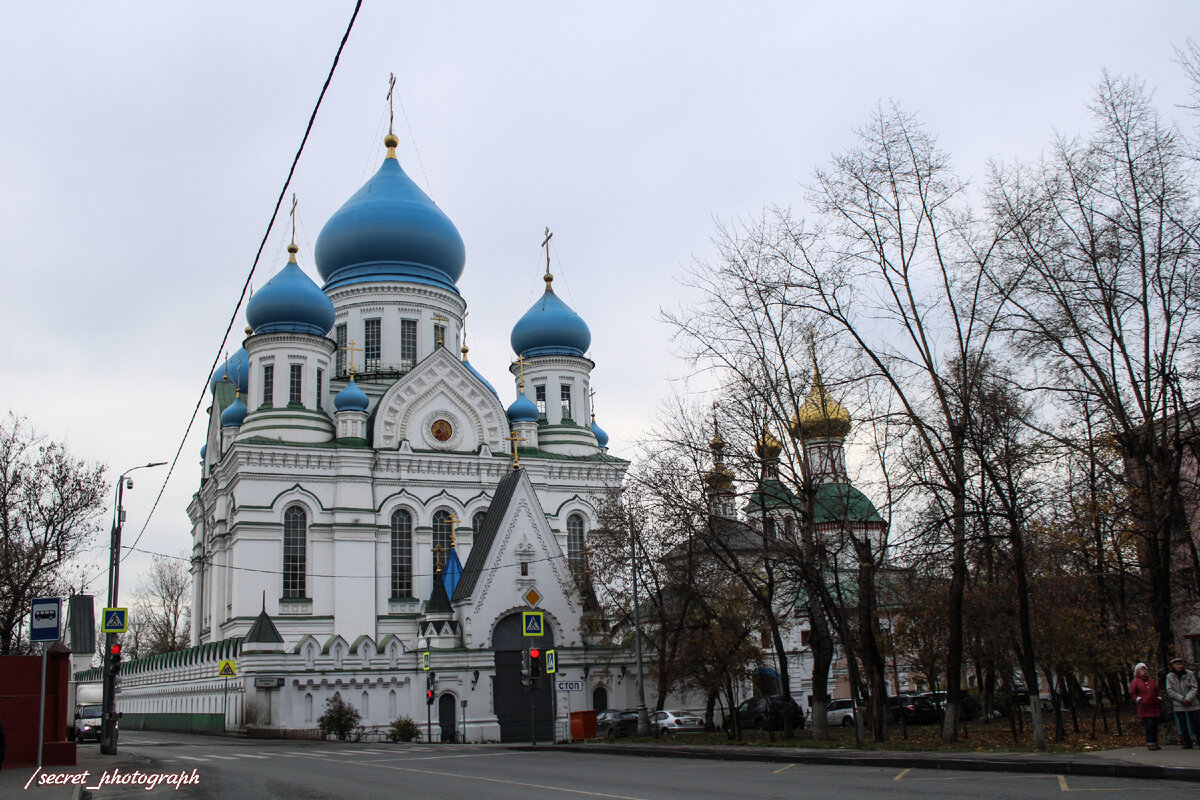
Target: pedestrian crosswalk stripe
[(224, 758), (189, 758)]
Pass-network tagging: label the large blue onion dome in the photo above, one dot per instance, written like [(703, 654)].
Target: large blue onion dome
[(522, 410), (476, 373), (390, 230), (351, 398), (236, 369), (550, 328), (290, 302), (235, 414), (601, 436)]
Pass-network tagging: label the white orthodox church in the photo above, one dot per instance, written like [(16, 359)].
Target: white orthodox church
[(367, 498)]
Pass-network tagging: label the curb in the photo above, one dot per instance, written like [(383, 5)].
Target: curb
[(914, 760)]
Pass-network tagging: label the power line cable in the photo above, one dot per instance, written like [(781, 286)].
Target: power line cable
[(233, 317)]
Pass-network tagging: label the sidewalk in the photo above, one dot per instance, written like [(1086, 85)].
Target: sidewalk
[(1170, 763), (88, 760)]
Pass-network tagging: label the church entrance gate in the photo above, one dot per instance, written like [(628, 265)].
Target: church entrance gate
[(511, 698)]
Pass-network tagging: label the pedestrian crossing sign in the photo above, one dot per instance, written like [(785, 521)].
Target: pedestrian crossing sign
[(531, 623), (425, 660), (226, 669), (551, 662), (115, 620)]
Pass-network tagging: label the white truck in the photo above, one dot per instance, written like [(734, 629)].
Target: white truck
[(88, 705)]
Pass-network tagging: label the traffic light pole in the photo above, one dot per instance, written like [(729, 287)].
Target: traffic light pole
[(108, 715), (112, 660)]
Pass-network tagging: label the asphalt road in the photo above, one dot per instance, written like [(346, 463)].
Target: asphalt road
[(301, 770)]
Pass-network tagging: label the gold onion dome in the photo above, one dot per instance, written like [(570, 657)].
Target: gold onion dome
[(767, 448), (719, 477), (820, 417)]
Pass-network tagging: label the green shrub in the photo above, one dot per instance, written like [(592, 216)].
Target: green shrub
[(340, 718), (404, 729)]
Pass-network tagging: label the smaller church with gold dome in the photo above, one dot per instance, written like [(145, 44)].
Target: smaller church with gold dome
[(373, 520)]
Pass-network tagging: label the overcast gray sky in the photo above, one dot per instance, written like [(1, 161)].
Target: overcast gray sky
[(142, 146)]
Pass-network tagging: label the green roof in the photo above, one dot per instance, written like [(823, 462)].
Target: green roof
[(773, 494), (841, 502)]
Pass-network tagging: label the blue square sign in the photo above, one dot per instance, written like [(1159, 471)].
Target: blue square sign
[(45, 619)]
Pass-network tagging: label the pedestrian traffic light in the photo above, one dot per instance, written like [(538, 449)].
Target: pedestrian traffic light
[(535, 662), (429, 697)]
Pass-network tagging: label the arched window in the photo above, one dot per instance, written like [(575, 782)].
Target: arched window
[(441, 534), (295, 535), (477, 522), (401, 554), (575, 542)]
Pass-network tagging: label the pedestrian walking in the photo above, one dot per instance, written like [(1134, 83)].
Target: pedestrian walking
[(1148, 699), (1182, 689)]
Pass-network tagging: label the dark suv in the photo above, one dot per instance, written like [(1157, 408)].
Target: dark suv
[(913, 709), (766, 712)]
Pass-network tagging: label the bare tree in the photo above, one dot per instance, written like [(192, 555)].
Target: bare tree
[(1102, 266), (161, 605), (50, 505)]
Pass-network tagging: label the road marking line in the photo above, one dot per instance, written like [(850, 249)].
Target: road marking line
[(251, 755), (224, 758), (189, 758), (783, 769), (903, 772), (499, 781)]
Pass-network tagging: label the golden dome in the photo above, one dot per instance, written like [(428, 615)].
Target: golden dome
[(767, 448), (820, 417), (719, 477)]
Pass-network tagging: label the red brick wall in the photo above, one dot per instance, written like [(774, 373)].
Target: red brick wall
[(20, 686)]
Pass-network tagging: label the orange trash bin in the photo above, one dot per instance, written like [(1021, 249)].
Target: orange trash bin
[(583, 724)]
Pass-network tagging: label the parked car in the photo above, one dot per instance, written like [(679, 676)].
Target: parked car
[(914, 710), (616, 724), (968, 709), (669, 723), (766, 712), (840, 712)]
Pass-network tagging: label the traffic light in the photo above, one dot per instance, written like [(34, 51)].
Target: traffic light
[(535, 663), (429, 697), (429, 684), (114, 659)]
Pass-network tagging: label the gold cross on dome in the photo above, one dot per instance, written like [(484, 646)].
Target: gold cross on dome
[(391, 88), (293, 216), (546, 244), (515, 438), (351, 349), (521, 365), (453, 520)]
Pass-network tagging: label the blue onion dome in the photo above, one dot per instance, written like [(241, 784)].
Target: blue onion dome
[(233, 416), (236, 369), (351, 398), (291, 302), (203, 451), (475, 372), (601, 436), (390, 230), (522, 410), (550, 328)]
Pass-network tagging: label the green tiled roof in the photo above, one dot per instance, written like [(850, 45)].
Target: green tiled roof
[(841, 502), (773, 494)]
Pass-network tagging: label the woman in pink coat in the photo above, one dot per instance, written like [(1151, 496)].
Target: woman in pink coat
[(1148, 699)]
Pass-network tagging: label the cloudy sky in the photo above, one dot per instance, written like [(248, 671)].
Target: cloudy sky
[(142, 146)]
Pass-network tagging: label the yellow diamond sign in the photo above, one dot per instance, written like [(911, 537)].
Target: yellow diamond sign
[(532, 597)]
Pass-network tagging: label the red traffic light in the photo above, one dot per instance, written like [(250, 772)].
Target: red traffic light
[(534, 653), (115, 649)]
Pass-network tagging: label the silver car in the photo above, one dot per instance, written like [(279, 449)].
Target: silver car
[(668, 723), (840, 712)]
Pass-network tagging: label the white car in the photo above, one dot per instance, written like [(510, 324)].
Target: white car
[(667, 723), (840, 712)]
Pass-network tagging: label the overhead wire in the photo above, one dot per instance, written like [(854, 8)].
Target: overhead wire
[(246, 285)]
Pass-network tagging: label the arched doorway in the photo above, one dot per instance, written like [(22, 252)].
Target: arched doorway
[(447, 717), (512, 700), (600, 699)]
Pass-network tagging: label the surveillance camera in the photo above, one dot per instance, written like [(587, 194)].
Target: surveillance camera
[(129, 483)]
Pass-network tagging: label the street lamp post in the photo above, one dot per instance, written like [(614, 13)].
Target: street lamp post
[(108, 724)]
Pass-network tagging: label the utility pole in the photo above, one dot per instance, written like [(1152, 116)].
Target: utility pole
[(643, 715)]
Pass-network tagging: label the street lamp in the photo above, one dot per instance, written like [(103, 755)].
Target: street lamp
[(112, 648)]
